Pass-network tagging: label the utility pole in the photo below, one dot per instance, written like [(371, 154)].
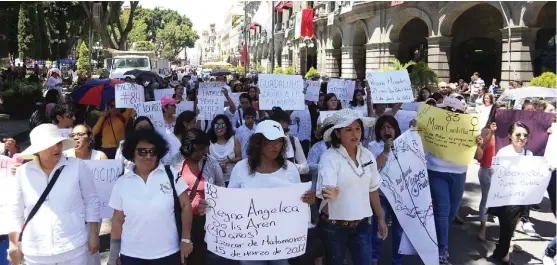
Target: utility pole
[(272, 36), (91, 42), (246, 37)]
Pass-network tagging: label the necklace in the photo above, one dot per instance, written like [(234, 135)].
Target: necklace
[(351, 165)]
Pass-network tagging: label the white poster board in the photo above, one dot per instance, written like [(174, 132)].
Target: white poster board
[(236, 98), (153, 111), (406, 185), (128, 94), (65, 132), (285, 91), (518, 180), (551, 147), (343, 89), (404, 117), (257, 224), (166, 92), (390, 87), (210, 102), (7, 181), (218, 85), (105, 174), (312, 90), (183, 106)]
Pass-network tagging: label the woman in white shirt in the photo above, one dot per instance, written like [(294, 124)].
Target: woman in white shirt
[(55, 81), (225, 146), (57, 234), (294, 149), (509, 215), (267, 167), (145, 224), (348, 182)]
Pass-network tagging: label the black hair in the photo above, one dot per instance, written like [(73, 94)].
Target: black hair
[(245, 95), (323, 88), (60, 110), (253, 151), (391, 121), (436, 96), (249, 112), (184, 117), (51, 96), (191, 140), (353, 102), (518, 124), (335, 140), (280, 116), (229, 131), (420, 97), (329, 97), (150, 136)]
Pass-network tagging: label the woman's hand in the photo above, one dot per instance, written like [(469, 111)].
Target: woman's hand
[(383, 230), (15, 256), (185, 250), (549, 131), (94, 243), (202, 207), (388, 146), (14, 167), (479, 140), (309, 197), (224, 91), (330, 193), (412, 123)]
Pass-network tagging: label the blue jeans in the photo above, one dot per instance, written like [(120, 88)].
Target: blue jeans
[(4, 244), (336, 239), (446, 193), (395, 228), (550, 250)]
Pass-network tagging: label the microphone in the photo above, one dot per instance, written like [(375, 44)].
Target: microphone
[(388, 136)]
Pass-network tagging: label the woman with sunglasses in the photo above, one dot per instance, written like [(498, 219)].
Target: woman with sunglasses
[(196, 166), (144, 228), (509, 216), (83, 136), (225, 146)]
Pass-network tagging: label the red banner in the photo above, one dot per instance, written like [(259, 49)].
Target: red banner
[(396, 3)]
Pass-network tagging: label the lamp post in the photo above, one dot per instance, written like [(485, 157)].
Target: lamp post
[(307, 43)]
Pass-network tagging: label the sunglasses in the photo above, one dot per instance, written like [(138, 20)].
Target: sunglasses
[(143, 152), (72, 135), (519, 135), (219, 126)]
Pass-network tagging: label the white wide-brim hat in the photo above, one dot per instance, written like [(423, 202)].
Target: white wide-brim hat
[(343, 118), (43, 137)]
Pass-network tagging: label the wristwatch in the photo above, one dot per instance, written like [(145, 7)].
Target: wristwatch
[(186, 240)]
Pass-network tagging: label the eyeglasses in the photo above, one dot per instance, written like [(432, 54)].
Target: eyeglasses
[(520, 135), (72, 135), (143, 152), (219, 126)]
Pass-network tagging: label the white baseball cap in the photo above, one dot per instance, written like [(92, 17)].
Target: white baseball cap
[(272, 130)]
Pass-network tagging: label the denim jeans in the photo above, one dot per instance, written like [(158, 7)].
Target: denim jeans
[(550, 250), (336, 239), (4, 244), (446, 193), (396, 233), (485, 183)]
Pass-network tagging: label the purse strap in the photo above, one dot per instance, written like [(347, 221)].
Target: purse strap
[(171, 179), (41, 199)]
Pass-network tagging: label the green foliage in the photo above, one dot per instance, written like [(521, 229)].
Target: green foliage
[(240, 69), (310, 73), (422, 76), (261, 69), (143, 46), (290, 71), (235, 20), (278, 70), (20, 98), (397, 65), (83, 61), (44, 46), (173, 38), (547, 79), (25, 33)]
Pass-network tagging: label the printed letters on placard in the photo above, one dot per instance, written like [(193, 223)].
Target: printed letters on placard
[(284, 91)]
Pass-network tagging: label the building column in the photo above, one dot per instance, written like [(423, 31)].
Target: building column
[(379, 55), (351, 56), (522, 46), (438, 56), (332, 62)]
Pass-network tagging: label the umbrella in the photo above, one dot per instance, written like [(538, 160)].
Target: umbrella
[(96, 92), (220, 72), (526, 92), (143, 76)]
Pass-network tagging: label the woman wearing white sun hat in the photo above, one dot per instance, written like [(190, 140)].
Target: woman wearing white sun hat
[(49, 196)]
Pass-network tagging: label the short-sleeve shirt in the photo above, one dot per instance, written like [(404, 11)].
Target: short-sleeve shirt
[(241, 177), (149, 231)]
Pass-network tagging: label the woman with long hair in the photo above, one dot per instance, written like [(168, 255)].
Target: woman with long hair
[(178, 93), (348, 183), (185, 121), (358, 103), (140, 123), (423, 95), (331, 103), (225, 146), (83, 136), (484, 175)]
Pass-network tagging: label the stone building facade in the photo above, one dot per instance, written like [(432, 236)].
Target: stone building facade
[(499, 39)]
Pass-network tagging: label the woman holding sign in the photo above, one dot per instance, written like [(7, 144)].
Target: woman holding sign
[(348, 182)]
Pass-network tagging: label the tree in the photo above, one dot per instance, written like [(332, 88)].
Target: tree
[(174, 38), (240, 69), (43, 33), (397, 65), (261, 69), (547, 79), (25, 33), (83, 61), (311, 72), (422, 76), (143, 46), (278, 70), (290, 71), (108, 23)]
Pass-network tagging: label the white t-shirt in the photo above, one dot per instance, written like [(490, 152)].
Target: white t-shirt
[(241, 177), (149, 231), (95, 155), (244, 133), (509, 151), (222, 152)]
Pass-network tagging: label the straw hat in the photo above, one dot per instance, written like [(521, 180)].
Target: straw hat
[(343, 118), (43, 137)]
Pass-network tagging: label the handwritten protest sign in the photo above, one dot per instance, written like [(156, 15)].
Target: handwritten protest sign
[(6, 189), (551, 148), (406, 186), (215, 85), (257, 224), (166, 92), (65, 132), (128, 94), (183, 106), (153, 111), (518, 180), (236, 98), (446, 133), (537, 122), (285, 91), (390, 87), (312, 90), (210, 102), (105, 174), (404, 117), (343, 89)]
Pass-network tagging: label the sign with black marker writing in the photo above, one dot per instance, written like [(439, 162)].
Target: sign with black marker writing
[(518, 180), (153, 111), (257, 224), (285, 91), (105, 174), (128, 94), (343, 89), (164, 92), (209, 102), (445, 133), (312, 90), (390, 87)]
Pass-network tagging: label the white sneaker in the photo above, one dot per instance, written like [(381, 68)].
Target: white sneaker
[(548, 260), (528, 229)]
